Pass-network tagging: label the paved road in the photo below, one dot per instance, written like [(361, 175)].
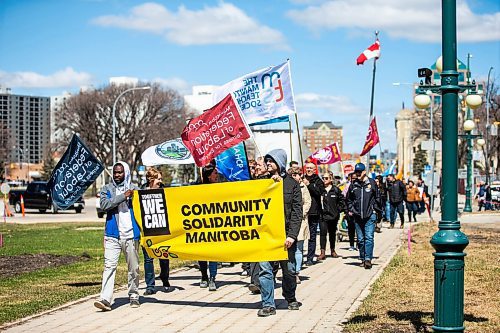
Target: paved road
[(330, 292), (34, 216)]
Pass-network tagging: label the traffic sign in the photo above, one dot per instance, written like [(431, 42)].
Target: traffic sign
[(5, 188)]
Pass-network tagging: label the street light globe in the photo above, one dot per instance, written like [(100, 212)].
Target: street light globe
[(422, 101), (439, 64), (469, 125), (473, 101), (480, 142)]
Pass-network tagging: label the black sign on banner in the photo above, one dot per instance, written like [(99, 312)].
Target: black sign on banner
[(77, 169), (154, 212)]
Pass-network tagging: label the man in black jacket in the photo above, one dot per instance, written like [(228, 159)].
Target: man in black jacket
[(396, 191), (363, 201), (316, 189), (333, 205), (276, 165)]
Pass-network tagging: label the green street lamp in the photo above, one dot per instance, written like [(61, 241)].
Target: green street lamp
[(469, 126), (449, 242)]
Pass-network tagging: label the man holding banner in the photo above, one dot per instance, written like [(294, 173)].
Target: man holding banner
[(121, 234), (276, 165)]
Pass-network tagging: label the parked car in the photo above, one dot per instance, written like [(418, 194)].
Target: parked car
[(37, 196)]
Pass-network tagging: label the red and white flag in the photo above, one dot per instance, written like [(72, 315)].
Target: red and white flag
[(372, 137), (372, 52), (214, 131), (328, 155)]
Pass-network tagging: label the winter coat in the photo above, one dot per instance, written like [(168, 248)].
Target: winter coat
[(316, 189), (413, 194), (396, 191), (333, 204), (292, 195), (304, 233), (363, 198)]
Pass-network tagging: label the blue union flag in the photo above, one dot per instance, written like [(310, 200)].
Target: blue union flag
[(73, 174)]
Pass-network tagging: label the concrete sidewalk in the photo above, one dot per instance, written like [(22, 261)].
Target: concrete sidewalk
[(329, 293)]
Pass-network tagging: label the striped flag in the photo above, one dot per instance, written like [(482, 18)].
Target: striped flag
[(372, 52)]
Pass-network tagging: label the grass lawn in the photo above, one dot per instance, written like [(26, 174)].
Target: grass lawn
[(402, 300), (30, 293)]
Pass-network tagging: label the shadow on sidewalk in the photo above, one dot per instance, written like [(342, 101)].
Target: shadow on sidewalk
[(229, 305)]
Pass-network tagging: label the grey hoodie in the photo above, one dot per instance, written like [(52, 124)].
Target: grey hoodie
[(279, 156)]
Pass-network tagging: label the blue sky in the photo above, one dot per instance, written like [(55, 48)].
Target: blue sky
[(51, 46)]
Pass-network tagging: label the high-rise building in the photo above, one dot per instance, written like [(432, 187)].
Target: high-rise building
[(27, 120), (321, 134), (56, 103)]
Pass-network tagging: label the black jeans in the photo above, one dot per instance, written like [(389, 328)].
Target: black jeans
[(165, 271), (313, 221), (351, 230), (330, 227)]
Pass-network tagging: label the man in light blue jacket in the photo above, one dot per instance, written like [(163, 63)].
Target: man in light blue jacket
[(121, 234)]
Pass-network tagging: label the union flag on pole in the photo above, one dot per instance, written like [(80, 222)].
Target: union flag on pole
[(328, 155), (372, 137), (372, 52), (214, 131)]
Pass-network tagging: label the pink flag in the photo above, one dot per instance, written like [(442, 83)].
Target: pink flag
[(372, 137), (372, 52), (328, 155), (214, 131)]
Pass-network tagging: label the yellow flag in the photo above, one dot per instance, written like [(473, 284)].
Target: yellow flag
[(230, 222)]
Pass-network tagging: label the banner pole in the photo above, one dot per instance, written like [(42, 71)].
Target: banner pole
[(290, 129), (298, 136)]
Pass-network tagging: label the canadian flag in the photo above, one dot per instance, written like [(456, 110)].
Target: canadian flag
[(372, 52)]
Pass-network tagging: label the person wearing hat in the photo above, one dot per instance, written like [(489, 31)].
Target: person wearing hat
[(276, 166), (363, 201)]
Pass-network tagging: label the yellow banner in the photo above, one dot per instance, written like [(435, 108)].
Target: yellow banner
[(229, 222)]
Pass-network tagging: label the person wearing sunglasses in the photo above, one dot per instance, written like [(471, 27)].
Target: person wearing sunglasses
[(333, 205)]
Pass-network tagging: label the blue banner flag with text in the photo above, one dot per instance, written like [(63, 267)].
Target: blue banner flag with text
[(74, 173), (233, 163)]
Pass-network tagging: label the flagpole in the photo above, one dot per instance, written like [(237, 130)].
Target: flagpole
[(298, 136), (372, 98)]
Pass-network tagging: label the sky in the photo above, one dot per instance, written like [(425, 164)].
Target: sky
[(52, 46)]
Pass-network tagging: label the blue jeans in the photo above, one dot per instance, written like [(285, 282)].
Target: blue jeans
[(365, 229), (149, 271), (387, 210), (400, 208), (266, 278), (299, 255)]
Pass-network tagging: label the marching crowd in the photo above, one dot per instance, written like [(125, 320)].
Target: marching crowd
[(312, 202)]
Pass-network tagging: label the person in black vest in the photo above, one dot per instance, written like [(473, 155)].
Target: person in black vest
[(316, 189), (396, 193), (363, 203)]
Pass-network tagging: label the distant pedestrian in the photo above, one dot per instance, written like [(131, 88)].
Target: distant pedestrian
[(316, 190), (363, 201), (423, 189), (351, 228), (412, 200), (333, 204), (292, 198), (396, 193), (121, 234)]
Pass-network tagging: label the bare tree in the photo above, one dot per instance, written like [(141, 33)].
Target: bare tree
[(6, 141), (144, 118)]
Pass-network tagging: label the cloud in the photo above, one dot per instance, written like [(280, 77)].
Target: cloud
[(330, 103), (174, 83), (65, 78), (417, 20), (223, 24)]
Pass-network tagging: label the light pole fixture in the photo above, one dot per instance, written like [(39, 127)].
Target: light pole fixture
[(449, 242), (469, 126), (114, 116)]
